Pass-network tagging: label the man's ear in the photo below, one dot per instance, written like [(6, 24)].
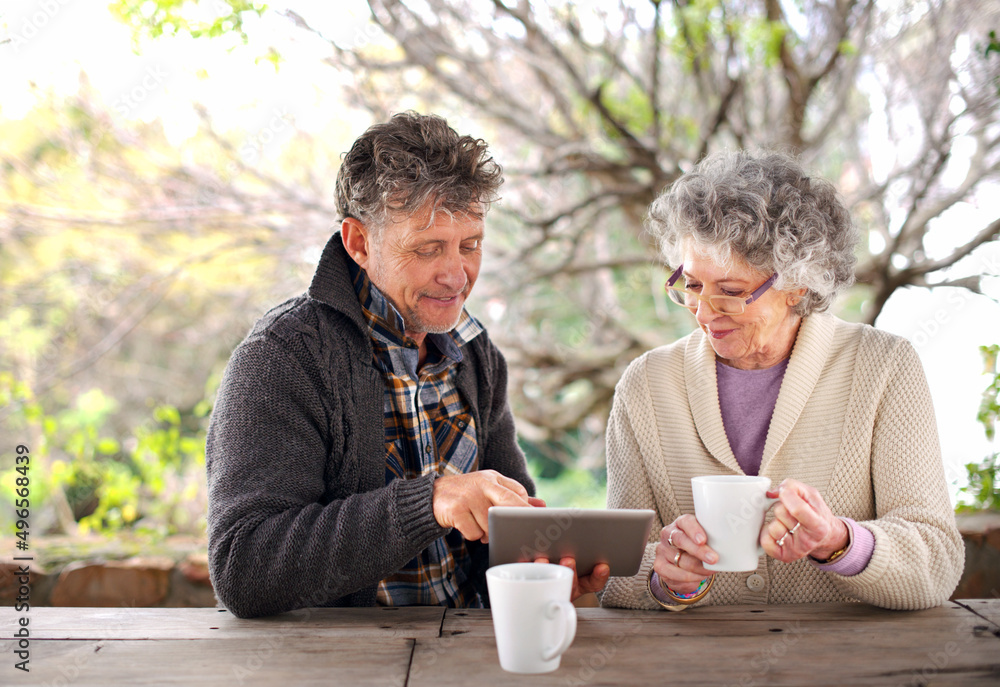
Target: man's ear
[(355, 236)]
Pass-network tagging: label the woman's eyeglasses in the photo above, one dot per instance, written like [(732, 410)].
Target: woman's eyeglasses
[(724, 305)]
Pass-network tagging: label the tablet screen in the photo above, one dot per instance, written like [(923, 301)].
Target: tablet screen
[(617, 537)]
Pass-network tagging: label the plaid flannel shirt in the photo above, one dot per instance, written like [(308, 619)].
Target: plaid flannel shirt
[(428, 427)]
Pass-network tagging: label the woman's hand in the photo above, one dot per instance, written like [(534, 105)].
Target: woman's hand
[(803, 525), (681, 553)]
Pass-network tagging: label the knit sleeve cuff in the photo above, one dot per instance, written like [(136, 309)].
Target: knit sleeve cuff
[(657, 589), (859, 552), (415, 510)]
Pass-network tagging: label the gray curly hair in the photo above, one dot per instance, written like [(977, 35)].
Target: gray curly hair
[(763, 209), (400, 165)]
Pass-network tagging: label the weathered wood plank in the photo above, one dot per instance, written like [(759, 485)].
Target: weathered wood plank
[(907, 654), (731, 621), (986, 608), (738, 645), (210, 663), (210, 623)]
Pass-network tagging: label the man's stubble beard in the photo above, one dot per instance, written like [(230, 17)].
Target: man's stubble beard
[(411, 320)]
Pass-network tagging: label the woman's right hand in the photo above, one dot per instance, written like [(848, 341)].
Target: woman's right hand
[(686, 537)]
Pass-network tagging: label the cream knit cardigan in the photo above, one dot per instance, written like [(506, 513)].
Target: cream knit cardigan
[(853, 418)]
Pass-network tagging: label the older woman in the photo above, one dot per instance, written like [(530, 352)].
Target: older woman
[(837, 414)]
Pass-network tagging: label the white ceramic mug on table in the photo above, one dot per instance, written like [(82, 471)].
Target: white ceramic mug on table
[(731, 508), (533, 619)]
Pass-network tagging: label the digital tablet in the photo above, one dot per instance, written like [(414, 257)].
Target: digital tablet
[(591, 536)]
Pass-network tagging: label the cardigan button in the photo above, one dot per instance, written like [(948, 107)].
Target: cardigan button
[(755, 582)]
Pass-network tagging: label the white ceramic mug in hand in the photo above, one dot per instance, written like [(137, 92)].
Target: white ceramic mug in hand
[(731, 508), (533, 618)]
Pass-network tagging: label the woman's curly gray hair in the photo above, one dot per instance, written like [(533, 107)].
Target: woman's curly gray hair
[(400, 165), (761, 208)]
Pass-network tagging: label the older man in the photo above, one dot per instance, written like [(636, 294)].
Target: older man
[(362, 429)]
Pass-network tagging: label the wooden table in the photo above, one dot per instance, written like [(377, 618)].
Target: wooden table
[(816, 644)]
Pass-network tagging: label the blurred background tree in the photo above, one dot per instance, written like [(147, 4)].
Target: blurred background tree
[(148, 261), (598, 106)]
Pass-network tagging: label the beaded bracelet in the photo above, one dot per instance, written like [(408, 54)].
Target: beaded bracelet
[(677, 595), (682, 600)]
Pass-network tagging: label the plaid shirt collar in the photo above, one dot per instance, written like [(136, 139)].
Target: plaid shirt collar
[(386, 325)]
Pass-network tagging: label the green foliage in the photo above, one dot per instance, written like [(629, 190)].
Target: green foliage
[(766, 38), (847, 48), (149, 482), (991, 47), (989, 408), (632, 108), (573, 488), (155, 18), (153, 482), (15, 394), (171, 462), (984, 486), (695, 25), (701, 26), (90, 455)]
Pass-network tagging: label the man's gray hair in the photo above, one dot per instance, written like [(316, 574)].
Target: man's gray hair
[(763, 209), (401, 165)]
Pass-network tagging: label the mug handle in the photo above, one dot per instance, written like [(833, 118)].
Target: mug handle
[(767, 506), (568, 613)]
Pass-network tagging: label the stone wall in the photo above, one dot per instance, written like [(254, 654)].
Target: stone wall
[(110, 574)]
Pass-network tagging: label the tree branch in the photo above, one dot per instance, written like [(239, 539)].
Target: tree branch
[(990, 232)]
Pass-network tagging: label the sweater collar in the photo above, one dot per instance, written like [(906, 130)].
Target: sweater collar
[(808, 359), (331, 284)]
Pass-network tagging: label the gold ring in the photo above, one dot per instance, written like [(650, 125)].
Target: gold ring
[(670, 539), (677, 559)]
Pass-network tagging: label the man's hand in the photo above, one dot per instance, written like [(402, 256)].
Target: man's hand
[(594, 582), (462, 501)]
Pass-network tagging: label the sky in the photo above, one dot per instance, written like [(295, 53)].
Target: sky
[(50, 42)]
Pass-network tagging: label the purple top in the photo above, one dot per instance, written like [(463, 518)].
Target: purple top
[(747, 399)]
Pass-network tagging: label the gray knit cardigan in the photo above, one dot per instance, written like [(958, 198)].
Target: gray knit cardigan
[(299, 513)]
